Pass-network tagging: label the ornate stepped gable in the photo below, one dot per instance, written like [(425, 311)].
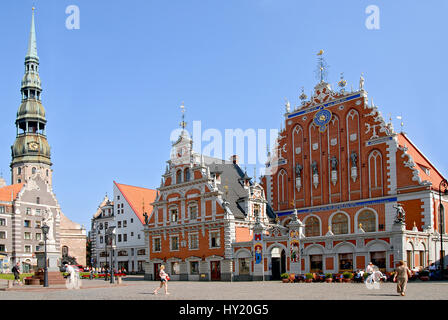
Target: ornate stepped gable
[(336, 147)]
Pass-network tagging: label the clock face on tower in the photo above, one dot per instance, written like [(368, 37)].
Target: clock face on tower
[(33, 146)]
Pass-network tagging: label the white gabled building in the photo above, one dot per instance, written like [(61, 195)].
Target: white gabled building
[(126, 214)]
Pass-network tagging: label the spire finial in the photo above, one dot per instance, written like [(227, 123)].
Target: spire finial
[(342, 83), (400, 117), (32, 45), (183, 124), (321, 66)]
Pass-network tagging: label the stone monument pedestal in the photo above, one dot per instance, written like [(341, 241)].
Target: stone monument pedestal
[(54, 274)]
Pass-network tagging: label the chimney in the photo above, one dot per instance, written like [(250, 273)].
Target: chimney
[(234, 159)]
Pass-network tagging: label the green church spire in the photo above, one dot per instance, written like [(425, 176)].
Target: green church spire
[(31, 151), (32, 45)]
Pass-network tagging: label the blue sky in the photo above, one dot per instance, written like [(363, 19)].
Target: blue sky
[(112, 89)]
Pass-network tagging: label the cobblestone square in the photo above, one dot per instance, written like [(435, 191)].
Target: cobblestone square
[(137, 289)]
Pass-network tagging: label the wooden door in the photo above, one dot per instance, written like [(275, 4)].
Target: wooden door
[(215, 268), (156, 271)]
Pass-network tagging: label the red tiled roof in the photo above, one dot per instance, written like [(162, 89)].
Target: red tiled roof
[(135, 196), (6, 192)]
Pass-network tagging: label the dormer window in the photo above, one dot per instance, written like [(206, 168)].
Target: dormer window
[(256, 210)]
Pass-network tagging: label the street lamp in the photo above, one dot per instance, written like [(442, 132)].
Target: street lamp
[(443, 184), (111, 239), (45, 230)]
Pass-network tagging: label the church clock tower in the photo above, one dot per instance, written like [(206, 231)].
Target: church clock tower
[(31, 151)]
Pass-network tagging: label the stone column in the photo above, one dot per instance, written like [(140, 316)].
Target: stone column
[(148, 267), (398, 241), (226, 270), (295, 233), (183, 276), (258, 249), (204, 271)]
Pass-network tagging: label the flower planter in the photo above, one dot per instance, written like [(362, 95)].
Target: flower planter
[(285, 280), (424, 278), (308, 280), (347, 280), (328, 280)]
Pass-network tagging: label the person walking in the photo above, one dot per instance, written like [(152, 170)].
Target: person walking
[(402, 273), (16, 272), (163, 280)]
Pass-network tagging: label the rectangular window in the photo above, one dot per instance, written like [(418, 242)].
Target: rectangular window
[(2, 209), (173, 215), (193, 212), (132, 220), (157, 244), (194, 241), (119, 224), (37, 212), (141, 252), (101, 239), (27, 223), (175, 268), (38, 224), (125, 237), (37, 248), (27, 249), (132, 234), (38, 236), (106, 225), (214, 239), (316, 263), (125, 223), (174, 243), (194, 267), (27, 236), (2, 222), (28, 211), (2, 234), (132, 251), (2, 248), (119, 238)]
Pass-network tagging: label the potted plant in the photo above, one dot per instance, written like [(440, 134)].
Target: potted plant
[(328, 278), (309, 277), (365, 275), (347, 276), (285, 277)]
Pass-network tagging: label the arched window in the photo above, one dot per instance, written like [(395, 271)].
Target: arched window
[(312, 227), (64, 251), (375, 174), (38, 200), (368, 220), (179, 176), (282, 187), (19, 170), (187, 174), (339, 224), (33, 171)]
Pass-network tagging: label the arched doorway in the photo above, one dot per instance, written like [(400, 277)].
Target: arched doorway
[(278, 262)]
